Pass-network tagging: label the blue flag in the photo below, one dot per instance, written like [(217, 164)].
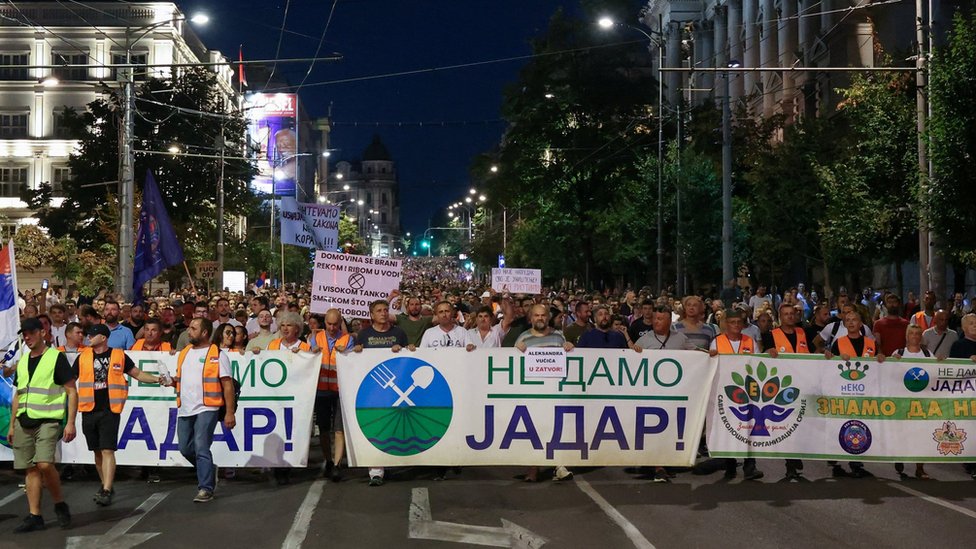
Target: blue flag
[(156, 244)]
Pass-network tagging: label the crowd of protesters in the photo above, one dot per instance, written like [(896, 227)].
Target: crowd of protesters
[(438, 305)]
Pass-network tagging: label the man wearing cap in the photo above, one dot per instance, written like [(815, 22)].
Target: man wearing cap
[(102, 391), (45, 383)]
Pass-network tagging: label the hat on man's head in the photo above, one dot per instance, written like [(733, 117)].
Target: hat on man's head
[(98, 329), (31, 325), (486, 294)]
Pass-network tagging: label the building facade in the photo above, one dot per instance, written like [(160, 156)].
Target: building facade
[(79, 45), (780, 33), (368, 191)]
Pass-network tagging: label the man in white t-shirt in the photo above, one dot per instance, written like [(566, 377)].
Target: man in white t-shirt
[(224, 315), (836, 330), (484, 335), (446, 333), (199, 398)]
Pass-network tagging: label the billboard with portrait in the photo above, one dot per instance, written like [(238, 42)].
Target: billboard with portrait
[(274, 138)]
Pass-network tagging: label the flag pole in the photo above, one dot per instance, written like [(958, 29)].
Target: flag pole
[(192, 285)]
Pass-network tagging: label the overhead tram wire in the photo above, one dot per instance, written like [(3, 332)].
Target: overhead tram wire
[(318, 48), (281, 35), (28, 23)]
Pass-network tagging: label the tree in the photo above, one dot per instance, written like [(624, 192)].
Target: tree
[(178, 112), (949, 198)]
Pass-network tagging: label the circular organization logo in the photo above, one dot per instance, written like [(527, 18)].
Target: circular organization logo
[(916, 380), (404, 406), (855, 437)]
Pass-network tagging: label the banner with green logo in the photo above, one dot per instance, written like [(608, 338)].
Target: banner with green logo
[(808, 407), (485, 407)]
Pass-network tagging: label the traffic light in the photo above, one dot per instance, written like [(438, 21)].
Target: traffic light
[(425, 244)]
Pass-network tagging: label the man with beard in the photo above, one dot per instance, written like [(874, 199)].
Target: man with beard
[(203, 385), (446, 333), (224, 314), (137, 319), (411, 321), (601, 336), (121, 337)]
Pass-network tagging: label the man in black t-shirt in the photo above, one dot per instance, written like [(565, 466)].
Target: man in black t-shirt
[(102, 390), (643, 324)]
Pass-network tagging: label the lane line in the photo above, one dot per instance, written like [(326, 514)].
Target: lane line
[(303, 518), (635, 536), (932, 499), (138, 514), (11, 497)]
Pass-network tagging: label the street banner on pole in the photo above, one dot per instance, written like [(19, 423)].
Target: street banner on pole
[(274, 415), (453, 407), (350, 283), (811, 408), (517, 281), (309, 225)]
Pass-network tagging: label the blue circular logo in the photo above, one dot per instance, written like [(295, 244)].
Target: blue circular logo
[(855, 437), (404, 406), (916, 380)]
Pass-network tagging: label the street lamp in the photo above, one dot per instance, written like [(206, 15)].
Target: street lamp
[(607, 23), (727, 179)]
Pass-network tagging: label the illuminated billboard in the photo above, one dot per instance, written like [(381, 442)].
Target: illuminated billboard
[(274, 137)]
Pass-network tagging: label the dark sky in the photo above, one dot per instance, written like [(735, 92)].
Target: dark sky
[(377, 37)]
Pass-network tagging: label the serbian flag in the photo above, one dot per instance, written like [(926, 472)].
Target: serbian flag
[(9, 326), (261, 280)]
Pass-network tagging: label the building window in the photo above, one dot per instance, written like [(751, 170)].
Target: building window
[(7, 231), (369, 198), (383, 170), (70, 73), (369, 170), (59, 130), (383, 218), (59, 174), (139, 73), (13, 125), (11, 178), (383, 200), (14, 73)]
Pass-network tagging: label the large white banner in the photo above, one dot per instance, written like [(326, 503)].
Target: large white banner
[(350, 283), (452, 407), (309, 225), (860, 410), (274, 415), (517, 281)]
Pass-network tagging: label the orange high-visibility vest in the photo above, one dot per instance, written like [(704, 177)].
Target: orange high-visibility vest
[(141, 344), (783, 343), (921, 322), (275, 345), (845, 347), (328, 376), (724, 345), (118, 386), (213, 392)]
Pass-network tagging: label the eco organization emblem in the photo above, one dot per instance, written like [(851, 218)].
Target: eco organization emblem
[(762, 402), (854, 437), (949, 439), (853, 374), (404, 406)]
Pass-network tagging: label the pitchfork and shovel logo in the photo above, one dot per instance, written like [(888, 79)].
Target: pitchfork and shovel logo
[(404, 406)]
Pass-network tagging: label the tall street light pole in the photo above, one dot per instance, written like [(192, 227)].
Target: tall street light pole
[(607, 23), (727, 179)]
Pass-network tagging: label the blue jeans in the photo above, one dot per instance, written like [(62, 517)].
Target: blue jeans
[(195, 434)]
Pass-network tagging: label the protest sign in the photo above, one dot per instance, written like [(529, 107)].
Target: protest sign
[(517, 281), (350, 283), (274, 415), (452, 407), (207, 270), (309, 225), (806, 407), (545, 362)]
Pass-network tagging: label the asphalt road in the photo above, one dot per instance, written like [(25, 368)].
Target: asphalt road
[(607, 507)]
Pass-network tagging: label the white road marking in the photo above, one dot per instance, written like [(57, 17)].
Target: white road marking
[(629, 529), (11, 497), (932, 499), (422, 526), (303, 518), (118, 537)]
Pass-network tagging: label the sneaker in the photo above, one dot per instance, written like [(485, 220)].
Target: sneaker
[(32, 523), (562, 473), (327, 469), (63, 513), (104, 497), (376, 481), (152, 478), (752, 474), (839, 472), (792, 473), (336, 474), (661, 476), (203, 496)]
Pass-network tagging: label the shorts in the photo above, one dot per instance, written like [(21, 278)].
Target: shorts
[(328, 412), (101, 429), (33, 446)]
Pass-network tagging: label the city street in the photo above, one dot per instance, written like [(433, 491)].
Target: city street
[(607, 507)]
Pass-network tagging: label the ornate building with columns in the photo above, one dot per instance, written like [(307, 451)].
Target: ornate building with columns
[(780, 33)]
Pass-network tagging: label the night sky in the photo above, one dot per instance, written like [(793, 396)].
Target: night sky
[(378, 37)]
